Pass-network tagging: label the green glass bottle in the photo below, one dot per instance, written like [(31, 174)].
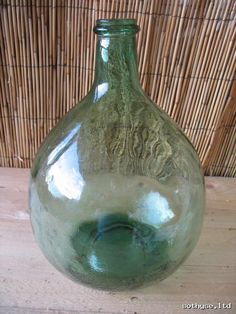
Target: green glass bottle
[(117, 193)]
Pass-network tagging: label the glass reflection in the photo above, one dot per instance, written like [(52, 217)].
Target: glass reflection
[(100, 90), (64, 178), (104, 51), (154, 209), (55, 154)]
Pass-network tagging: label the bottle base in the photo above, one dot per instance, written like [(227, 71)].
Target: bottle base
[(117, 252)]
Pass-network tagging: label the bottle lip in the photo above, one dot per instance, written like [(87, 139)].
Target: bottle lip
[(116, 26)]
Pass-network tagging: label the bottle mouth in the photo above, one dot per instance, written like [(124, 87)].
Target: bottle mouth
[(116, 26)]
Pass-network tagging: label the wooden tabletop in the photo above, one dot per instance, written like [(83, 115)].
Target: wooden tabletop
[(29, 284)]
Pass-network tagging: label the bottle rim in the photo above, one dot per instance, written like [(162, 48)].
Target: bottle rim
[(116, 26)]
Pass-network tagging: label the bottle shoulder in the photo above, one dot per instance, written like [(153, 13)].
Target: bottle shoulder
[(118, 130)]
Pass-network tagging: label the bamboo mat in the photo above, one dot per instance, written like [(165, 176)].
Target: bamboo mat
[(186, 61)]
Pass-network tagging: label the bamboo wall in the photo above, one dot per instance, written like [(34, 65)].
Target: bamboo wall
[(186, 60)]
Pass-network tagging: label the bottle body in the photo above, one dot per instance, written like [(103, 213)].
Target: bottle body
[(117, 192)]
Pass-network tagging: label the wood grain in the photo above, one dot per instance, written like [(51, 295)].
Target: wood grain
[(29, 284)]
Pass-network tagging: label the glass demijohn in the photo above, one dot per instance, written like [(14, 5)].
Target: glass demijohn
[(117, 192)]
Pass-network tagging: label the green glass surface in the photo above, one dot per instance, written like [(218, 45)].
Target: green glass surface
[(117, 192)]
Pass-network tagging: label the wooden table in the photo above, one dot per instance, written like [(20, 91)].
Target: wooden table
[(29, 284)]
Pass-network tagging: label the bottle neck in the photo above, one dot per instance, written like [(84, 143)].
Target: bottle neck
[(116, 62)]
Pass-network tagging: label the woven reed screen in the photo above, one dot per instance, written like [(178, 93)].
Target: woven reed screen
[(186, 61)]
